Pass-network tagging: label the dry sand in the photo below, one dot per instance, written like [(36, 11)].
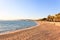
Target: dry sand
[(44, 31)]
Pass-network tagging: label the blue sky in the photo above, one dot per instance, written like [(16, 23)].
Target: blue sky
[(28, 9)]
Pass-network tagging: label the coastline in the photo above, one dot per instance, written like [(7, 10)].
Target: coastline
[(10, 32), (44, 31)]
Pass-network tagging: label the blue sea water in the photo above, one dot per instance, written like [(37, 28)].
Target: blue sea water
[(15, 25)]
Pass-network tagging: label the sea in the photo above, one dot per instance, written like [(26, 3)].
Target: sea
[(13, 25)]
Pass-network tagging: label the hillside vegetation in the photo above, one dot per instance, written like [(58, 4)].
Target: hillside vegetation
[(54, 18)]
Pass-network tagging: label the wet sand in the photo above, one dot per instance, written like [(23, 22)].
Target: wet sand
[(43, 31)]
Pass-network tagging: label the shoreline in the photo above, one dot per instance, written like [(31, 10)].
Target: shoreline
[(10, 32), (44, 31)]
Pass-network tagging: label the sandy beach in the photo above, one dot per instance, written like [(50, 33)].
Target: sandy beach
[(43, 31)]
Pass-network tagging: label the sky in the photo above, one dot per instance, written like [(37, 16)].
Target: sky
[(28, 9)]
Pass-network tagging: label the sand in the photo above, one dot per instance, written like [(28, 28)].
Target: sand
[(43, 31)]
